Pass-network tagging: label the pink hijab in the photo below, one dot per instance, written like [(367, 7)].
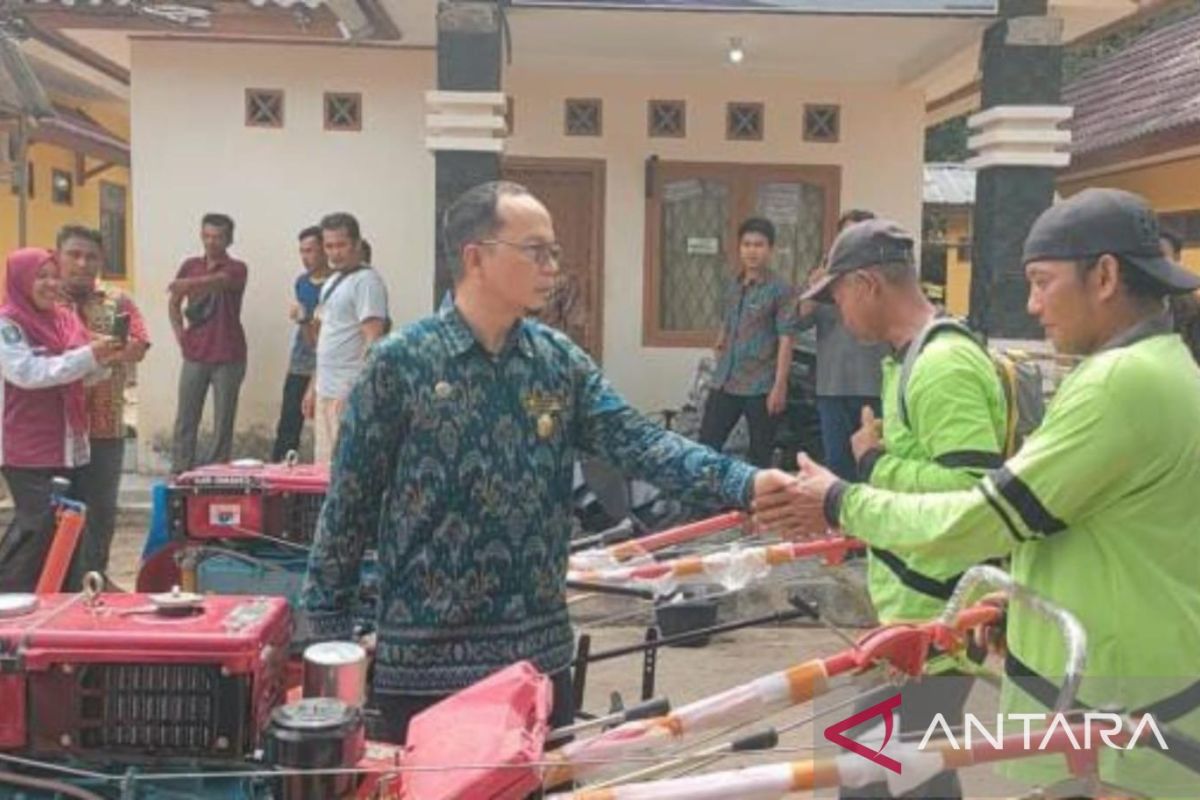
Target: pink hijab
[(57, 330)]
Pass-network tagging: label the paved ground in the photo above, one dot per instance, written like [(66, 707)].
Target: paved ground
[(685, 674)]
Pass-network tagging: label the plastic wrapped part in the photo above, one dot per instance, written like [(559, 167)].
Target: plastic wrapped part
[(763, 782), (337, 670), (315, 734), (748, 701), (734, 569)]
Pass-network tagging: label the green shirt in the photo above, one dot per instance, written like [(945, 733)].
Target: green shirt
[(1099, 511), (956, 416)]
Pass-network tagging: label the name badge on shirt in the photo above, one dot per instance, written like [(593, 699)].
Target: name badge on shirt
[(546, 408)]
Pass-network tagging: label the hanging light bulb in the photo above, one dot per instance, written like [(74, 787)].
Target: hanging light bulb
[(736, 53)]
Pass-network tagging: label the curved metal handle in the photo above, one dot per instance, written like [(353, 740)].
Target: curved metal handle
[(1073, 634)]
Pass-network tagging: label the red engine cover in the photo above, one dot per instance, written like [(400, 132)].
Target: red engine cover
[(225, 501), (501, 720), (119, 677)]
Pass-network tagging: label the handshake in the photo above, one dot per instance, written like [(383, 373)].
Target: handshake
[(793, 506)]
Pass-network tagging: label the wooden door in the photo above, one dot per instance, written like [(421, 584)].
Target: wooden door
[(573, 191)]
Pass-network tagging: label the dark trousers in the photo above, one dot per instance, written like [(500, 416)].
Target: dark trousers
[(921, 701), (395, 711), (840, 418), (99, 487), (194, 380), (722, 412), (291, 416), (27, 541)]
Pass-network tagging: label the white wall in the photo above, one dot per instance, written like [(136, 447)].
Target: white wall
[(880, 153), (192, 154)]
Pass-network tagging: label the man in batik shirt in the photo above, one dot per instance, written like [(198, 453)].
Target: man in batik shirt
[(458, 446), (80, 256)]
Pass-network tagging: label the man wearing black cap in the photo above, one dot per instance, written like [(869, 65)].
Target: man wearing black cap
[(943, 425), (1098, 509)]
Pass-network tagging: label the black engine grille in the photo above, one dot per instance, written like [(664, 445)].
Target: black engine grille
[(300, 515), (170, 709)]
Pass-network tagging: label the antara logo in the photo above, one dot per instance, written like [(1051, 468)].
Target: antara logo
[(883, 709), (1058, 722)]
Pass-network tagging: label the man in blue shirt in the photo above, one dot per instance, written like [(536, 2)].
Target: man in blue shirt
[(457, 445), (303, 358)]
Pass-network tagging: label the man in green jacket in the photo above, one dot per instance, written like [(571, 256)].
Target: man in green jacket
[(945, 431), (1098, 509), (940, 435)]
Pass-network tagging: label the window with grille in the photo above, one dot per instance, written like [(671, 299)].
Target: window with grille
[(264, 108), (584, 117), (667, 118), (744, 122), (62, 187), (112, 229), (692, 217), (822, 124), (343, 111)]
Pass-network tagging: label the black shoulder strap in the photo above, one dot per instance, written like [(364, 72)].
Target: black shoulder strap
[(337, 281), (933, 328)]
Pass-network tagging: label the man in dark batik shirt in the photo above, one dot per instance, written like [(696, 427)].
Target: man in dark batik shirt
[(457, 446)]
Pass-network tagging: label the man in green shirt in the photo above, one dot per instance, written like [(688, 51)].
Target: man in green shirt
[(1098, 509), (940, 435), (945, 431)]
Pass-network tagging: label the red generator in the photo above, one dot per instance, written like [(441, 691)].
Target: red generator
[(248, 500), (127, 676)]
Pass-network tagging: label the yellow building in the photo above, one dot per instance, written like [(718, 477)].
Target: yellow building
[(948, 196), (1137, 127), (78, 171)]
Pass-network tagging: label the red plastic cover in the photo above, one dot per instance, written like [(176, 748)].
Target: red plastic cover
[(501, 720), (312, 478), (230, 631)]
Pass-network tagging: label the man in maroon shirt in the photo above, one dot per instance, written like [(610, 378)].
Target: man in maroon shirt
[(205, 309)]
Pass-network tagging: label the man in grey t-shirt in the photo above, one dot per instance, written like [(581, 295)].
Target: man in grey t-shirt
[(849, 374), (352, 314)]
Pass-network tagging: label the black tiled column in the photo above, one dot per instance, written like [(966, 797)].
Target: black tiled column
[(1021, 64), (469, 46)]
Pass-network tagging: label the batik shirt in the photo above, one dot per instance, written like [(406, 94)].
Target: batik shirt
[(757, 313), (463, 463), (106, 399)]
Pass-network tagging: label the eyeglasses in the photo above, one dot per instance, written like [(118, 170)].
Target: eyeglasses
[(541, 253)]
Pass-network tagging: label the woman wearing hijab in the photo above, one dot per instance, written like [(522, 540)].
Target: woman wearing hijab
[(45, 355)]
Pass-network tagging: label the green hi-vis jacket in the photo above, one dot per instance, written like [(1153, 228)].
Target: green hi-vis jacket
[(956, 416), (1101, 512)]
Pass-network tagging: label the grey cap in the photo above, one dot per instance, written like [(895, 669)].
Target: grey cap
[(1099, 222), (871, 243)]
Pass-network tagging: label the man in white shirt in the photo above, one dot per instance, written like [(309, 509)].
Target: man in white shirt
[(353, 313)]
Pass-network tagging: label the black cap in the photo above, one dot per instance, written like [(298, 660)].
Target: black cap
[(1099, 222), (871, 243)]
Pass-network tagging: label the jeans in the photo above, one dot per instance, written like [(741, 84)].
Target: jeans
[(840, 417), (291, 416)]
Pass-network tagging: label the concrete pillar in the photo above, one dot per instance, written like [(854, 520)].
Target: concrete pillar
[(1019, 149), (462, 138)]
